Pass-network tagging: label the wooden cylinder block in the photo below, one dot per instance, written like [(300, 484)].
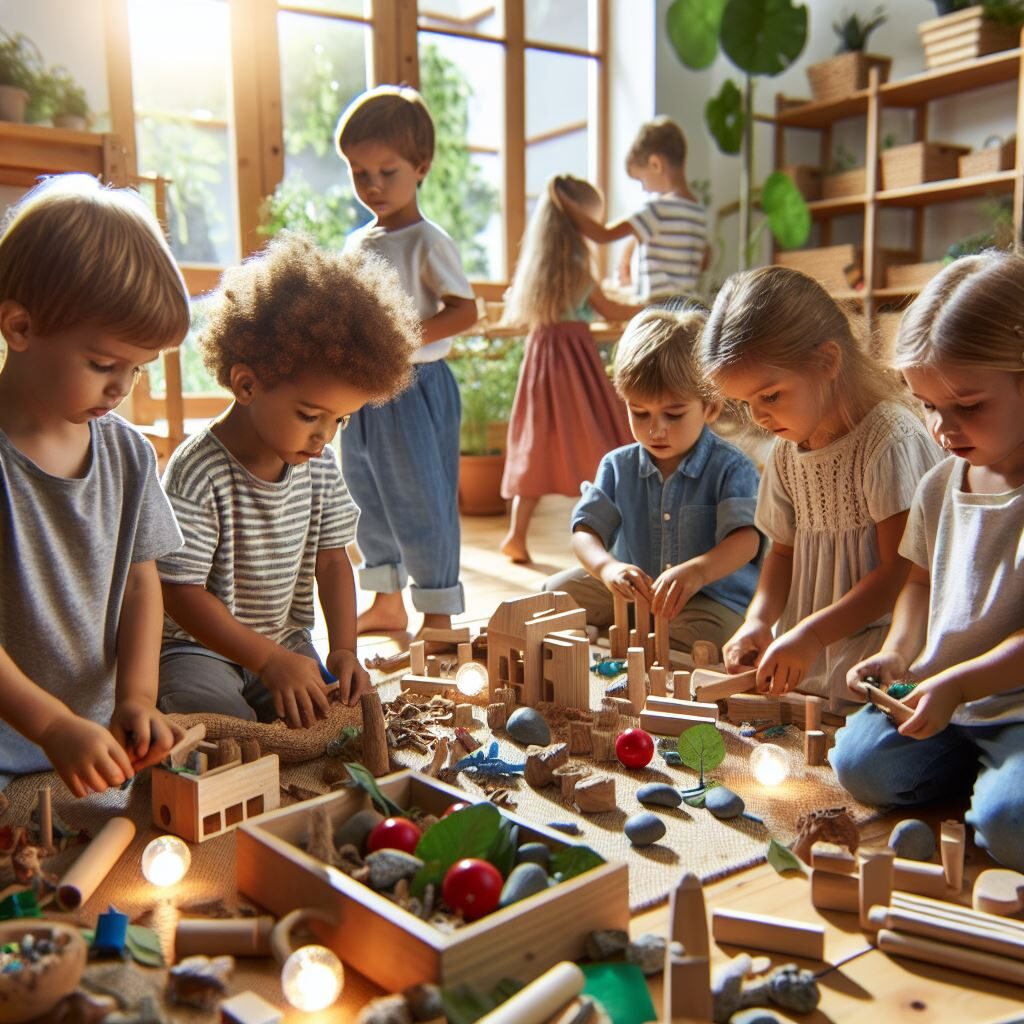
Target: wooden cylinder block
[(973, 961), (815, 746), (463, 716), (579, 738), (603, 741), (433, 665), (496, 717), (506, 694), (465, 653), (773, 934), (657, 680), (953, 839), (834, 892), (876, 881)]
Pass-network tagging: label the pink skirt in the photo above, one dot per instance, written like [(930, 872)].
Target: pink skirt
[(565, 415)]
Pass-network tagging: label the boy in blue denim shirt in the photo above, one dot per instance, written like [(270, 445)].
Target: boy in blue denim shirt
[(670, 518)]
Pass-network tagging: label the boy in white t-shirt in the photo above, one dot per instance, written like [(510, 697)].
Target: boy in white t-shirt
[(401, 459), (669, 231)]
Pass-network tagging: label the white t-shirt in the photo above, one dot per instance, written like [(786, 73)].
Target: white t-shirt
[(428, 263), (671, 236), (972, 545)]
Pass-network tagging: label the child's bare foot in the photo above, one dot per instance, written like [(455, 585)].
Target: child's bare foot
[(515, 550), (387, 614)]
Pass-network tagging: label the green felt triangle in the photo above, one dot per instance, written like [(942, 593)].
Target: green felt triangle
[(621, 989)]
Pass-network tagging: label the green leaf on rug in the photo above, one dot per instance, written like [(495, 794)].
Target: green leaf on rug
[(702, 748), (571, 861), (783, 859), (363, 778), (142, 943), (475, 831)]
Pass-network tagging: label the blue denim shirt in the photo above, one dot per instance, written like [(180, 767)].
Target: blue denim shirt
[(657, 524)]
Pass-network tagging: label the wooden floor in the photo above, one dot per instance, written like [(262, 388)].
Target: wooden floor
[(863, 986)]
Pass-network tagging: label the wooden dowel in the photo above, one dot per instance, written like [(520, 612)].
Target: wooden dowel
[(957, 912), (973, 961), (95, 863), (953, 838), (773, 934), (876, 875), (541, 999), (711, 686), (45, 807), (232, 936), (895, 709), (962, 934)]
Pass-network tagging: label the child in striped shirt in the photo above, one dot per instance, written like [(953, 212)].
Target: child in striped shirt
[(669, 230), (302, 338)]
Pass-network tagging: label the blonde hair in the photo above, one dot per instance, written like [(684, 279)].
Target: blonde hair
[(553, 274), (779, 317), (75, 252), (972, 314), (660, 137), (656, 355), (394, 114)]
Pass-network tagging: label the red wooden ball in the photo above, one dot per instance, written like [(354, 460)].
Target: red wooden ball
[(634, 748)]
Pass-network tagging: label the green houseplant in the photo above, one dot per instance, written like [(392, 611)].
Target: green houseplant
[(849, 69), (68, 105), (20, 72)]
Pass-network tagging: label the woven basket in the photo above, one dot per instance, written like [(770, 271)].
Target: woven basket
[(906, 166), (845, 73), (844, 183), (964, 35), (990, 160), (910, 275), (807, 180), (837, 267)]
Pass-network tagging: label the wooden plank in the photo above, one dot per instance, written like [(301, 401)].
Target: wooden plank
[(662, 724), (671, 705), (773, 934), (514, 190), (711, 686), (119, 79)]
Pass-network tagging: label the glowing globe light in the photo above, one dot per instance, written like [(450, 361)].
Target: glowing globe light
[(312, 978), (770, 764), (165, 861), (471, 678)]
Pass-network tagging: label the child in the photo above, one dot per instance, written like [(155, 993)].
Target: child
[(89, 293), (670, 229), (565, 415), (402, 459), (302, 338), (839, 480), (671, 517), (958, 627)]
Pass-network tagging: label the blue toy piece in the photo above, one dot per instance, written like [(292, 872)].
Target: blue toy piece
[(111, 934), (609, 667), (325, 675)]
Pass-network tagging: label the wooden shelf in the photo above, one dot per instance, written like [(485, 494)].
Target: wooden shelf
[(822, 208), (949, 191), (821, 115), (909, 291), (29, 150)]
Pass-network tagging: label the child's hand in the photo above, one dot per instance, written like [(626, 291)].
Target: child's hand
[(887, 667), (143, 731), (674, 588), (934, 702), (353, 679), (627, 580), (294, 680), (744, 648), (788, 659), (85, 755)]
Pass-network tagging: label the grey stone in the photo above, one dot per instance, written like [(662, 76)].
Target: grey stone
[(386, 1010), (570, 828), (525, 725), (673, 758), (389, 867), (755, 1016), (534, 853), (523, 880), (355, 830), (913, 839), (644, 828), (724, 803), (606, 945), (424, 1002), (659, 793), (647, 951)]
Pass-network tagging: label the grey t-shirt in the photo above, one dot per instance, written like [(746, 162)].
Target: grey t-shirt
[(66, 546), (973, 547)]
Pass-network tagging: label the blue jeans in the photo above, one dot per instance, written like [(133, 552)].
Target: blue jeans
[(401, 463), (877, 765)]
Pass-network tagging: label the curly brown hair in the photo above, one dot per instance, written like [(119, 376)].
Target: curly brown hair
[(295, 307)]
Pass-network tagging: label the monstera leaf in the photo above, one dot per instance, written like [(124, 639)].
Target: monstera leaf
[(724, 115), (693, 27), (763, 37), (787, 213)]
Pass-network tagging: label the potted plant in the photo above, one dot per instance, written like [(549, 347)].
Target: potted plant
[(486, 372), (68, 105), (965, 30), (848, 70), (20, 65)]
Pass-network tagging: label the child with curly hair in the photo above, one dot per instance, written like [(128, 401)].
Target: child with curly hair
[(303, 339)]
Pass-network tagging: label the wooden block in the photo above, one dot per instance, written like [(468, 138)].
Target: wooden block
[(433, 666), (418, 658), (656, 677), (221, 768), (773, 934), (567, 777), (661, 641), (634, 639), (998, 891), (959, 933), (896, 710), (812, 714), (193, 737), (249, 1008), (642, 614), (447, 636), (815, 746), (953, 838), (682, 707), (688, 989), (197, 762), (834, 892), (463, 716), (429, 686), (709, 686), (579, 738), (876, 881), (603, 743), (920, 878), (636, 679), (507, 694), (595, 793), (833, 858), (496, 717), (465, 653), (541, 763), (442, 750), (957, 912), (618, 641), (754, 707), (609, 714), (662, 724), (681, 685), (648, 645), (703, 653), (947, 956)]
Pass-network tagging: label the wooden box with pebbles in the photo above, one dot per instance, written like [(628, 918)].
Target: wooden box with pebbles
[(393, 946)]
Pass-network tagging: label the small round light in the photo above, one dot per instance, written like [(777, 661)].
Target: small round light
[(165, 861), (770, 764), (312, 978), (471, 678)]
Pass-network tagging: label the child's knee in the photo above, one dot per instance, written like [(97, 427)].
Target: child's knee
[(998, 820), (858, 767)]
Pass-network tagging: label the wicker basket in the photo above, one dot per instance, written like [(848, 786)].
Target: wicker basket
[(910, 275), (844, 183), (845, 73), (837, 267), (906, 166), (990, 159), (807, 180), (964, 35)]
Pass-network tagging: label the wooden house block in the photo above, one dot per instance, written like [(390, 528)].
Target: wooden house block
[(876, 881), (952, 841), (565, 674), (418, 658), (197, 807), (636, 679), (447, 636), (656, 677), (662, 724), (711, 686), (833, 858), (661, 641), (673, 706), (773, 934)]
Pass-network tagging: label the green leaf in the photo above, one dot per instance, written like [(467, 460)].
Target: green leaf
[(465, 1005), (783, 859), (571, 861), (363, 778), (701, 747), (787, 213), (502, 853), (144, 946), (471, 832), (724, 115), (693, 27), (697, 800), (763, 37)]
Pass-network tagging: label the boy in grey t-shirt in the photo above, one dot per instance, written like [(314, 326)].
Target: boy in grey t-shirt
[(82, 515)]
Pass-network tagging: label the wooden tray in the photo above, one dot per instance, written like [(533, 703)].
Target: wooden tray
[(394, 948)]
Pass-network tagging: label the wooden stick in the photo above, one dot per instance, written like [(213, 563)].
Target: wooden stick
[(661, 641), (953, 839), (947, 931), (833, 858), (682, 707), (973, 961), (815, 747), (541, 999), (918, 877), (876, 875), (418, 658), (175, 757), (375, 741), (710, 686), (895, 709), (657, 680), (95, 863), (441, 751), (636, 679), (957, 912), (231, 936), (662, 723), (834, 892), (773, 934), (45, 808)]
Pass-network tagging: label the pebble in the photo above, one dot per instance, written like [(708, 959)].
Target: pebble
[(723, 803), (913, 839), (647, 951), (389, 867), (526, 725), (534, 853), (673, 758), (606, 944), (356, 829), (754, 1016), (523, 880), (569, 828), (659, 793), (424, 1002), (644, 828), (386, 1010)]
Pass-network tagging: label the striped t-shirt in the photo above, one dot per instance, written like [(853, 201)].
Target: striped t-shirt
[(252, 543), (671, 235)]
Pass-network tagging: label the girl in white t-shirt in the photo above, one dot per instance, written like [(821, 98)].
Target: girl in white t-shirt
[(958, 627), (839, 480)]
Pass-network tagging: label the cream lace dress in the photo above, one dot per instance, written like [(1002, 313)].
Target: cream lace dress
[(824, 504)]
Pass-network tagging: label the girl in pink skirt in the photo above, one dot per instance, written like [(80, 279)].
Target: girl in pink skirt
[(565, 415)]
